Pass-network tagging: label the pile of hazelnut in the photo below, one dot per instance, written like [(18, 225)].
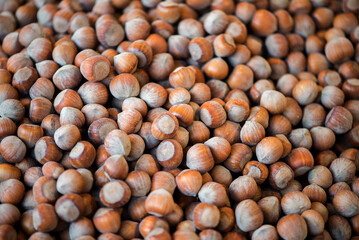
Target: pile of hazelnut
[(179, 119)]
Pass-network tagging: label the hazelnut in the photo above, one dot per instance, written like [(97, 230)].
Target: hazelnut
[(69, 207), (157, 43), (280, 175), (64, 139), (12, 191), (10, 214), (12, 109), (201, 214), (152, 222), (109, 32), (182, 77), (83, 55), (321, 176), (93, 112), (125, 62), (44, 190), (128, 229), (199, 157), (349, 88), (315, 193), (124, 85), (85, 37), (189, 182), (95, 68), (343, 169), (159, 71), (107, 220), (198, 132), (169, 153), (159, 203), (270, 207), (323, 138), (43, 87), (241, 78), (305, 92), (259, 87), (64, 52), (263, 23), (200, 49), (52, 169), (139, 182), (237, 30), (260, 67), (68, 76), (67, 98), (70, 181), (245, 11), (147, 136), (137, 147), (249, 216), (244, 187), (292, 226), (70, 115), (44, 217), (136, 104), (220, 148), (354, 223), (240, 155), (136, 29), (237, 110), (39, 108), (223, 45), (8, 171), (219, 18), (200, 93), (212, 114), (8, 91), (339, 227), (313, 115), (277, 45), (153, 94), (183, 112), (221, 174), (241, 55), (116, 167), (345, 53), (18, 61), (129, 121), (117, 142), (216, 68), (337, 187), (269, 150), (258, 171), (46, 150), (99, 129), (163, 180), (82, 227), (82, 155), (12, 149), (346, 203), (265, 232), (339, 119), (115, 194), (213, 193), (164, 126), (39, 49), (178, 45), (301, 160)]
